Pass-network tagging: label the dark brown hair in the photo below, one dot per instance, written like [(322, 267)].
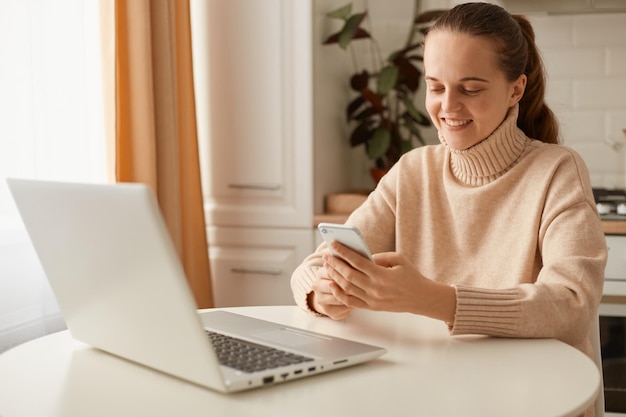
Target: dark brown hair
[(514, 41)]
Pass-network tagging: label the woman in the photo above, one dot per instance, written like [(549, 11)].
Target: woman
[(494, 231)]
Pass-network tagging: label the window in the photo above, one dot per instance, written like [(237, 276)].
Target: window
[(51, 127)]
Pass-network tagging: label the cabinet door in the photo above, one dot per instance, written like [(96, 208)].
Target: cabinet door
[(254, 89), (254, 266)]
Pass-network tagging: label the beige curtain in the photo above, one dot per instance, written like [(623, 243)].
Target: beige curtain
[(155, 123)]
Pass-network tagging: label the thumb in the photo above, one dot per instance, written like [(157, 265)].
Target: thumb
[(388, 259)]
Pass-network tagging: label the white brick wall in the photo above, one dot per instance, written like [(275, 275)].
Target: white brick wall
[(585, 59)]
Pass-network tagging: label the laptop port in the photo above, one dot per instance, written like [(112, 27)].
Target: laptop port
[(268, 379), (298, 372), (311, 369)]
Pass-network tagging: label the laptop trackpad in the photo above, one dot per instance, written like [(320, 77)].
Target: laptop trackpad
[(289, 337)]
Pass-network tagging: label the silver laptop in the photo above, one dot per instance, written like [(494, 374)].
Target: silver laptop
[(121, 288)]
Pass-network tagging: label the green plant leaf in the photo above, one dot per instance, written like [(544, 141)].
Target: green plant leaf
[(365, 114), (353, 106), (416, 57), (378, 144), (341, 13), (360, 33), (408, 74), (359, 81), (405, 146), (374, 99), (350, 28), (414, 113), (361, 134), (410, 126), (387, 79)]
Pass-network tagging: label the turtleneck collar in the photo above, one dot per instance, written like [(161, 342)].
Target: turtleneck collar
[(490, 158)]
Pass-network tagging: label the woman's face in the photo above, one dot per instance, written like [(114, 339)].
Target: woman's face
[(467, 94)]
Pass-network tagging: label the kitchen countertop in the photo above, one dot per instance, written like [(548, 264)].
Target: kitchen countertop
[(614, 227), (340, 205), (610, 227)]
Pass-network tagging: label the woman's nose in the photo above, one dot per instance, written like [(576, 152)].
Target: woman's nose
[(450, 101)]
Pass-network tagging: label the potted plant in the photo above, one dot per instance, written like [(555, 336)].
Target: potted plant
[(382, 112)]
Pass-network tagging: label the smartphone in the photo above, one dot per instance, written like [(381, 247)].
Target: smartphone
[(349, 236)]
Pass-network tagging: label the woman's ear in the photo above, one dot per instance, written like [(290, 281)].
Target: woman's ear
[(518, 88)]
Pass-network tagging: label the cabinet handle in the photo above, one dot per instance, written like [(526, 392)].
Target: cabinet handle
[(263, 271), (270, 187)]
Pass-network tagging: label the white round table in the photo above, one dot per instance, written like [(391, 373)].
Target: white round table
[(426, 372)]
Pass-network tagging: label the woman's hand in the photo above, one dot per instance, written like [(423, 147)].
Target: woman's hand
[(322, 299), (391, 283)]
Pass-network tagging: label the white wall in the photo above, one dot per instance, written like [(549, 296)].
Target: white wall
[(585, 57)]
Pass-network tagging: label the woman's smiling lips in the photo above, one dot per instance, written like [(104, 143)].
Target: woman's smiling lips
[(455, 122)]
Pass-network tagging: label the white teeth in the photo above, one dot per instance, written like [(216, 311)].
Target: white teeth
[(456, 123)]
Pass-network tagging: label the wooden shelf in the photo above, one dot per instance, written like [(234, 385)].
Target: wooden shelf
[(614, 227), (339, 206)]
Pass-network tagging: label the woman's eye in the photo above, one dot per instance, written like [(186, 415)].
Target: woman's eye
[(470, 91)]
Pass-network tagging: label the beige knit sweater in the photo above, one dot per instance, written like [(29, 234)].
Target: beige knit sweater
[(510, 222)]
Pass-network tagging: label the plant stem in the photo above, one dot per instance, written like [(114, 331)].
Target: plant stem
[(355, 64)]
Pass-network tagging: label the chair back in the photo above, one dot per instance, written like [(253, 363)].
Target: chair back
[(597, 351)]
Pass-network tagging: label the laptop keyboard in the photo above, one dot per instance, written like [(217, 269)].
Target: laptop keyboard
[(250, 357)]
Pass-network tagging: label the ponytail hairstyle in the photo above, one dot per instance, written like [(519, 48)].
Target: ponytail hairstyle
[(514, 41)]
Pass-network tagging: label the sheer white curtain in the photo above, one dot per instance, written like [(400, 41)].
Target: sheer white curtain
[(51, 127)]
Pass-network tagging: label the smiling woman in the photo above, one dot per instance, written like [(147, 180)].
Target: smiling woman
[(493, 232), (52, 128)]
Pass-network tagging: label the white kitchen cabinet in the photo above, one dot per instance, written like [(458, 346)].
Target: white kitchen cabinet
[(253, 78), (254, 266), (253, 73)]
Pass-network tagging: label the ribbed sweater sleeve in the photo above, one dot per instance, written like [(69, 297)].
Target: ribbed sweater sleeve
[(301, 285), (486, 311)]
